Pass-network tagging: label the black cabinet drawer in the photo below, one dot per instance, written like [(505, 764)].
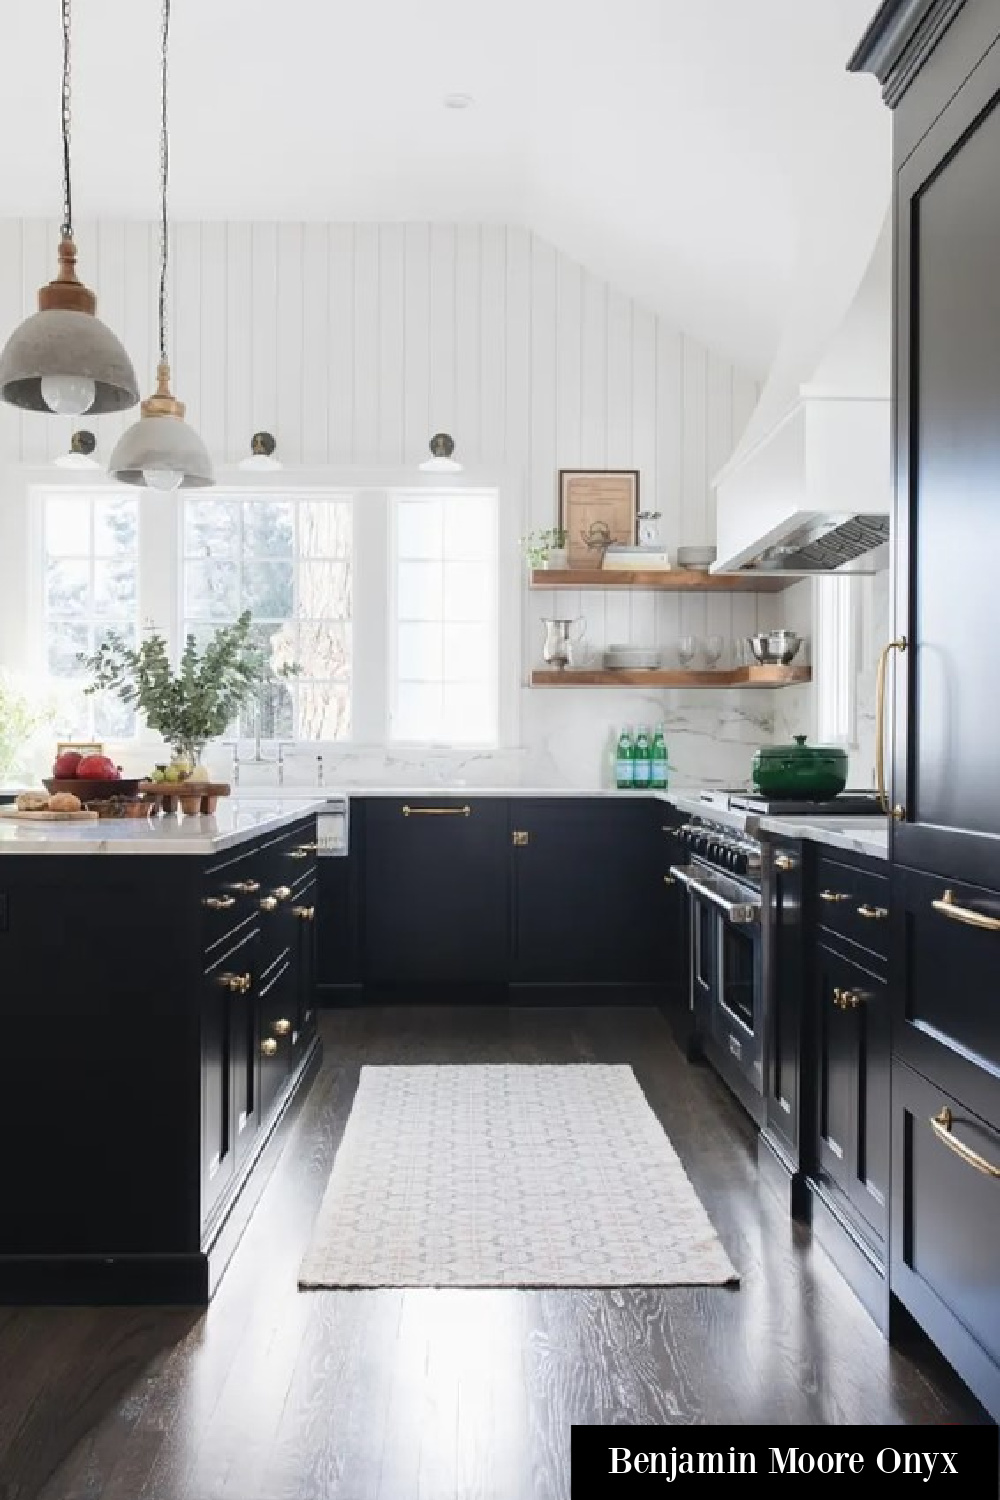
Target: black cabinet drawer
[(946, 1018), (945, 1217), (853, 902), (229, 900)]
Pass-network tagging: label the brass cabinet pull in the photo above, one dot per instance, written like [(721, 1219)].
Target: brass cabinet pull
[(282, 892), (948, 907), (669, 880), (941, 1124), (269, 1046), (834, 896), (520, 839), (847, 999), (880, 676), (247, 887), (236, 984), (436, 812), (299, 854), (784, 862), (269, 903), (220, 903), (305, 913), (282, 1027), (307, 849), (873, 913)]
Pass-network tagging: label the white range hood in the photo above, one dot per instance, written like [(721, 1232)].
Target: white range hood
[(813, 495)]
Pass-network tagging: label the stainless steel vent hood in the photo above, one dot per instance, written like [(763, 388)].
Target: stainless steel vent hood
[(813, 495)]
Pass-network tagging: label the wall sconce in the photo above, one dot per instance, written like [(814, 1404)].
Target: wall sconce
[(262, 459), (442, 446), (79, 455)]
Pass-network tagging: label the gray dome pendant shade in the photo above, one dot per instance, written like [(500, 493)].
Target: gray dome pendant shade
[(63, 359), (161, 451)]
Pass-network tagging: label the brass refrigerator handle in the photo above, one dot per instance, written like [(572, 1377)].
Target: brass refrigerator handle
[(436, 812), (941, 1124), (880, 676), (948, 907)]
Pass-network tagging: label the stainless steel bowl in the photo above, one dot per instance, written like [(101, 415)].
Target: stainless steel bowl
[(776, 647)]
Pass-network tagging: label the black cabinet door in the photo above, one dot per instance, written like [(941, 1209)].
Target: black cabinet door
[(588, 891), (853, 1059), (436, 907), (304, 913), (784, 983), (947, 531), (229, 1115), (276, 1011)]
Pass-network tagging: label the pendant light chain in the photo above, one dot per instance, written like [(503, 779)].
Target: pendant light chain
[(67, 223), (164, 175)]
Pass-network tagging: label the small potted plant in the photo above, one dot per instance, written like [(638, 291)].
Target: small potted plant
[(197, 702), (546, 549)]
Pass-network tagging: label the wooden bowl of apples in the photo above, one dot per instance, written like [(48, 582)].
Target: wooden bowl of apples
[(89, 777)]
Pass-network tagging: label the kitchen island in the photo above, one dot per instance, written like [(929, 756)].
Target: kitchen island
[(157, 1008)]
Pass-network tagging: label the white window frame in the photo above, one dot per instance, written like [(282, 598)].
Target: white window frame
[(160, 581)]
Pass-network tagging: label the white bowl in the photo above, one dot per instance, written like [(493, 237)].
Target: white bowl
[(632, 658), (696, 557)]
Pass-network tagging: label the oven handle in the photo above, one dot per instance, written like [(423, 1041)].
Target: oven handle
[(740, 913)]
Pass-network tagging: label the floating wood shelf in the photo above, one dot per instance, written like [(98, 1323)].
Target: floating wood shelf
[(668, 580), (737, 677)]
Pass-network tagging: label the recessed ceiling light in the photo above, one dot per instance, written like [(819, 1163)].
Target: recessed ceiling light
[(458, 101)]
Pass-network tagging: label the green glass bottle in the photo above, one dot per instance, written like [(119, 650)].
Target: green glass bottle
[(625, 761), (643, 763), (658, 779)]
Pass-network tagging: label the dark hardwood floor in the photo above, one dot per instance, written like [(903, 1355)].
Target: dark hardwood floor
[(276, 1394)]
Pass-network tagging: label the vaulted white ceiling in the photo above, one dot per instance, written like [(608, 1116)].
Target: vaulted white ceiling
[(691, 150)]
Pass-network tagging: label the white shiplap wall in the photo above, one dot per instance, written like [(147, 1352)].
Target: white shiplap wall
[(353, 343)]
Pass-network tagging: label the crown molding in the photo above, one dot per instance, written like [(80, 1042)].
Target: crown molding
[(899, 39)]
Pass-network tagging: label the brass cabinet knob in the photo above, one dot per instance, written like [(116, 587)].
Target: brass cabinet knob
[(269, 1046), (784, 862), (520, 838), (269, 903), (304, 913), (282, 1027), (220, 903), (282, 892), (669, 880), (236, 984), (247, 887)]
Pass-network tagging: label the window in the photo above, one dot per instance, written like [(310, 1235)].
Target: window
[(289, 561), (91, 564), (444, 664)]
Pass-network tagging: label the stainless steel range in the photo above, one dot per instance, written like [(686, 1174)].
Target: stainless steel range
[(722, 876), (725, 878)]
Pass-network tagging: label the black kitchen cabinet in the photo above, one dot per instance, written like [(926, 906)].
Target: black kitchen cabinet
[(436, 896), (140, 990), (590, 906), (939, 63)]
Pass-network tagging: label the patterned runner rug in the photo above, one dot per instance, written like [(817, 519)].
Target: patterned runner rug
[(513, 1176)]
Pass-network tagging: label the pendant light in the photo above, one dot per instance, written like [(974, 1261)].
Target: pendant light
[(80, 454), (63, 359), (161, 451), (261, 459), (442, 446)]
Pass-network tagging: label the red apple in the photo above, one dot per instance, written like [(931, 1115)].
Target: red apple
[(65, 767), (98, 768)]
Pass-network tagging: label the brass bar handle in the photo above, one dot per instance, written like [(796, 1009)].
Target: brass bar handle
[(236, 984), (941, 1124), (948, 907), (305, 913), (247, 887), (436, 812), (784, 862), (220, 903), (834, 896), (299, 854), (307, 848), (873, 913), (880, 676)]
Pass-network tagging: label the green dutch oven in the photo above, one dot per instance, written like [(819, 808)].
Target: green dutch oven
[(811, 772)]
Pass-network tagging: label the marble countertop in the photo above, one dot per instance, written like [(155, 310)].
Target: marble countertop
[(237, 819), (857, 835)]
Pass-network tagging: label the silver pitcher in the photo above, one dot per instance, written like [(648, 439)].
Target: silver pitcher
[(557, 650)]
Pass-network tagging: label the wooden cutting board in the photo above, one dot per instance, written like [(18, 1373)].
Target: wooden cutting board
[(47, 817)]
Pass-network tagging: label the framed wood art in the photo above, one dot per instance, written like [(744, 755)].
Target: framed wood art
[(82, 747), (596, 508)]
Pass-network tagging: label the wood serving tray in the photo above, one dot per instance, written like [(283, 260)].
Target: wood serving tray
[(48, 817), (198, 797)]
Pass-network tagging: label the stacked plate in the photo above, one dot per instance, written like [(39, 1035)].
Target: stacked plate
[(631, 658)]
